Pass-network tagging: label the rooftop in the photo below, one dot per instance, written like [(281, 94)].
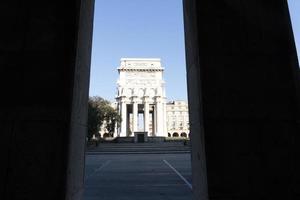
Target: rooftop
[(140, 64)]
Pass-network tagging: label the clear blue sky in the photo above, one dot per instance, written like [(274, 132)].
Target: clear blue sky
[(138, 28), (294, 6), (145, 28)]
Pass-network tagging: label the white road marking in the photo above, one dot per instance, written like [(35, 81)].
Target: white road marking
[(98, 169), (186, 182)]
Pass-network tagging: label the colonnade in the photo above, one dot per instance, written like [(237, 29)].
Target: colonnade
[(156, 106)]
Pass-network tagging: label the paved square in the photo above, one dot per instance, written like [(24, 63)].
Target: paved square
[(138, 177)]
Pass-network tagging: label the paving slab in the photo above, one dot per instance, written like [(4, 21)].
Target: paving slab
[(137, 177)]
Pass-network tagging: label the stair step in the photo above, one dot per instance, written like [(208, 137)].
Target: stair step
[(139, 148)]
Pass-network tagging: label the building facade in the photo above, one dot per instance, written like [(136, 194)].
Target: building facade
[(178, 119), (141, 98)]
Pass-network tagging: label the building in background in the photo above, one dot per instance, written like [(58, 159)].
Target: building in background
[(178, 119), (141, 98), (141, 102)]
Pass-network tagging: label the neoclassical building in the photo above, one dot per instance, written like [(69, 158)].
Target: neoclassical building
[(141, 98), (178, 119)]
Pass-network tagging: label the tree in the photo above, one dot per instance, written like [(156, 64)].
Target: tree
[(100, 111), (112, 119), (94, 118)]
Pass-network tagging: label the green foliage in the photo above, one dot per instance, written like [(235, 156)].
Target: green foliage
[(112, 119), (100, 111), (94, 117)]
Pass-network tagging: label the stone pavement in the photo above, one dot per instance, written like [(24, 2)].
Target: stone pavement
[(138, 177)]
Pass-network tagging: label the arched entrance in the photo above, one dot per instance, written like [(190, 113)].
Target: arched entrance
[(183, 134), (105, 135)]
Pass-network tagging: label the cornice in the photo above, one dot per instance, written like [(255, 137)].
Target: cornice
[(141, 70)]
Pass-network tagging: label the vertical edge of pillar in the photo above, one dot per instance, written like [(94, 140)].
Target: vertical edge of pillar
[(124, 119), (165, 131), (154, 122), (146, 117), (160, 117), (78, 122), (199, 172), (134, 117)]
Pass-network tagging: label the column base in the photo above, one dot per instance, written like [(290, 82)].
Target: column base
[(161, 134), (123, 134)]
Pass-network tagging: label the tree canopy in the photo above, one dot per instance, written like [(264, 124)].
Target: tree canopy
[(100, 112)]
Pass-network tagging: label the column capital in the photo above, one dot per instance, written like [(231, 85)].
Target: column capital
[(122, 100), (134, 99), (158, 99), (146, 99)]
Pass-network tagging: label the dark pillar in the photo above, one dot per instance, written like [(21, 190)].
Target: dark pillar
[(243, 94), (44, 76)]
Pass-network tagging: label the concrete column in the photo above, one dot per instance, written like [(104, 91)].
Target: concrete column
[(134, 116), (146, 116), (243, 87), (124, 120), (63, 84)]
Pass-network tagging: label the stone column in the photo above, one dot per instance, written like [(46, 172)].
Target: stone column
[(264, 78), (154, 120), (124, 120), (146, 116), (116, 129), (134, 116), (159, 117), (165, 130), (128, 128)]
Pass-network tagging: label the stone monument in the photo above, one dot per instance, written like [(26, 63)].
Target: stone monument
[(141, 98)]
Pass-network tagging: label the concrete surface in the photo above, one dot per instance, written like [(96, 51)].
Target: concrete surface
[(138, 177)]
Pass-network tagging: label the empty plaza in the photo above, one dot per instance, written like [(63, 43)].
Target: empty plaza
[(138, 176)]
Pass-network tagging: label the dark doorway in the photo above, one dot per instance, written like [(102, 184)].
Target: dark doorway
[(141, 138)]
